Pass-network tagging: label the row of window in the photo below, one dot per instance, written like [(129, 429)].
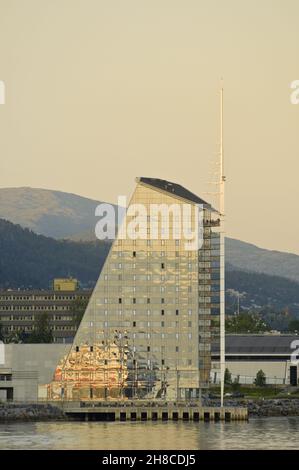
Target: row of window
[(32, 318), (6, 329), (203, 298), (189, 266), (39, 297), (34, 307)]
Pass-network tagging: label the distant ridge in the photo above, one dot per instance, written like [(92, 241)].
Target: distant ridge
[(63, 215), (51, 213)]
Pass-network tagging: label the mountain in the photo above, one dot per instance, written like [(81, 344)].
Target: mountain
[(247, 257), (51, 213), (31, 260), (62, 215), (260, 290), (28, 260)]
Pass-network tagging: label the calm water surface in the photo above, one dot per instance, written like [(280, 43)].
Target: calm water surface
[(259, 433)]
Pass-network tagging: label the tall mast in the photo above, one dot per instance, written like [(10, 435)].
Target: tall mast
[(222, 251)]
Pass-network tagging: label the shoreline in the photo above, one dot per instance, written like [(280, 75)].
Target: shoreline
[(25, 412)]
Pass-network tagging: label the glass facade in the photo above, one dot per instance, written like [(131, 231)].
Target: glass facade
[(146, 333)]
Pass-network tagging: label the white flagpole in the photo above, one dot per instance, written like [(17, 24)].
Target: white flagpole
[(222, 252)]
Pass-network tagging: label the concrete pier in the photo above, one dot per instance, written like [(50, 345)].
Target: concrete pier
[(102, 411)]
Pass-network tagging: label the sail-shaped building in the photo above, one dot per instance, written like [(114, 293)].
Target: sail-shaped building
[(146, 333)]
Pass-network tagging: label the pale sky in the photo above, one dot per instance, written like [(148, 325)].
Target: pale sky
[(98, 92)]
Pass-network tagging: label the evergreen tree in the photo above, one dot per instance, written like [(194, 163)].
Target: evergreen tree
[(260, 380)]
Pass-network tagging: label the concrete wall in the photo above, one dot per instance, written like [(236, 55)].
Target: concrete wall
[(30, 365)]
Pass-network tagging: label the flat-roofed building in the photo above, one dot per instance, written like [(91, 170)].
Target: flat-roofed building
[(20, 310), (246, 354)]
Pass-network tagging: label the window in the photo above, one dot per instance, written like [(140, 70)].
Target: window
[(162, 265), (176, 349), (176, 312), (134, 300), (148, 300), (77, 348), (162, 312), (134, 254), (148, 349), (162, 362), (162, 323), (134, 323), (91, 348), (119, 300), (162, 301)]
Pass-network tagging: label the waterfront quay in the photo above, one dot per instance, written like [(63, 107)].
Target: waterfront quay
[(150, 411)]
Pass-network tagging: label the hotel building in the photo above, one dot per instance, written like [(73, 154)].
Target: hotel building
[(146, 332)]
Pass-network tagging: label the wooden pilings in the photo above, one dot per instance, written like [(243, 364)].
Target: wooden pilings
[(156, 413)]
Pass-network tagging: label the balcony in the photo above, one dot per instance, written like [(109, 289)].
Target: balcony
[(212, 223)]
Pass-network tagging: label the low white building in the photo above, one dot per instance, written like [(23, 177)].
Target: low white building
[(23, 367), (245, 355)]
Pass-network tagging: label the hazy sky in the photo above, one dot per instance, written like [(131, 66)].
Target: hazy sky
[(98, 92)]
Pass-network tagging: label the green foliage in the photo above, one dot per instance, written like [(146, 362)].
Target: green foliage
[(245, 323), (227, 377), (260, 379), (236, 385), (31, 261), (293, 325), (42, 332), (263, 290)]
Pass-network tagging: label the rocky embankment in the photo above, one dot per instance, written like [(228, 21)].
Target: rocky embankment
[(30, 412), (47, 412), (262, 408), (274, 407)]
